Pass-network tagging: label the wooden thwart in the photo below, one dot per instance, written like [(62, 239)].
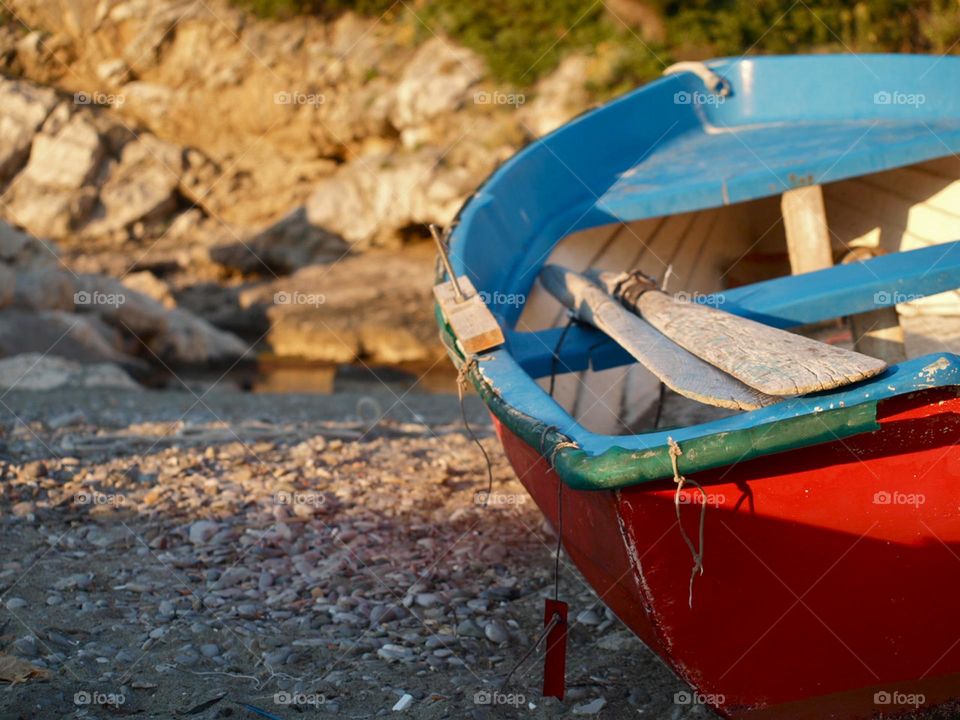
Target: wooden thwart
[(475, 327), (678, 369)]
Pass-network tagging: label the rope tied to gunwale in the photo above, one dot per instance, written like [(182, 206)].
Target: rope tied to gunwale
[(680, 480), (469, 363)]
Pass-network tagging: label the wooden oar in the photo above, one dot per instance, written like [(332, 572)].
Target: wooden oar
[(679, 370), (776, 362)]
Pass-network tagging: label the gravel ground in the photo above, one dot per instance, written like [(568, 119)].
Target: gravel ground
[(194, 558)]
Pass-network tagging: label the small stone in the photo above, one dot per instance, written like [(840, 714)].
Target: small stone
[(26, 646), (202, 530), (496, 633), (468, 628), (394, 652), (15, 603), (403, 703), (590, 708), (166, 610), (589, 617), (427, 600), (247, 610), (209, 650), (187, 657), (616, 642), (277, 657)]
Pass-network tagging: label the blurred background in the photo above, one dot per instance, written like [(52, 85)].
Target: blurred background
[(255, 177)]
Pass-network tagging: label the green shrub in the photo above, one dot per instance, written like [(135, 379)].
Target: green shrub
[(521, 40)]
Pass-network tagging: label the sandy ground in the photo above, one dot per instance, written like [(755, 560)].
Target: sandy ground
[(165, 556)]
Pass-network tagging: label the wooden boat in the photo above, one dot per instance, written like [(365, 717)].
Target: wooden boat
[(832, 531)]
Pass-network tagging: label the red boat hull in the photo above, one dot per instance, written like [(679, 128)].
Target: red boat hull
[(831, 573)]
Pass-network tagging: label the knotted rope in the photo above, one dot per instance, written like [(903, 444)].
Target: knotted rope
[(680, 480)]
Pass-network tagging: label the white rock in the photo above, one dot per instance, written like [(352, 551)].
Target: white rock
[(25, 107), (373, 198), (403, 703), (434, 81), (142, 187), (590, 708), (68, 159)]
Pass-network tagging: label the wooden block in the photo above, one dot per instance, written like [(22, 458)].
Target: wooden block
[(805, 222), (474, 325)]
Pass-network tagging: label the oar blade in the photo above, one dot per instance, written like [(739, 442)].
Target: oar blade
[(776, 362), (678, 369)]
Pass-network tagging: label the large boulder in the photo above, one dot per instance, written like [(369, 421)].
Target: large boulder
[(370, 200), (44, 289), (559, 97), (25, 251), (120, 306), (24, 108), (435, 81), (374, 306), (46, 211), (53, 194), (141, 187), (170, 336), (188, 339), (37, 371), (281, 248), (76, 337), (67, 159)]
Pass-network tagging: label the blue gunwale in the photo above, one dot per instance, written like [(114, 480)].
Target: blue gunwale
[(614, 164)]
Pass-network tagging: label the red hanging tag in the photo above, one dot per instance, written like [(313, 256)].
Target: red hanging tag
[(555, 659)]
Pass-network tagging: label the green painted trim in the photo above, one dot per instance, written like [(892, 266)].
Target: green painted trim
[(620, 468)]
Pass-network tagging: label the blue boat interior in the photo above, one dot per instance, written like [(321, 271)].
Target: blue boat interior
[(672, 147)]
